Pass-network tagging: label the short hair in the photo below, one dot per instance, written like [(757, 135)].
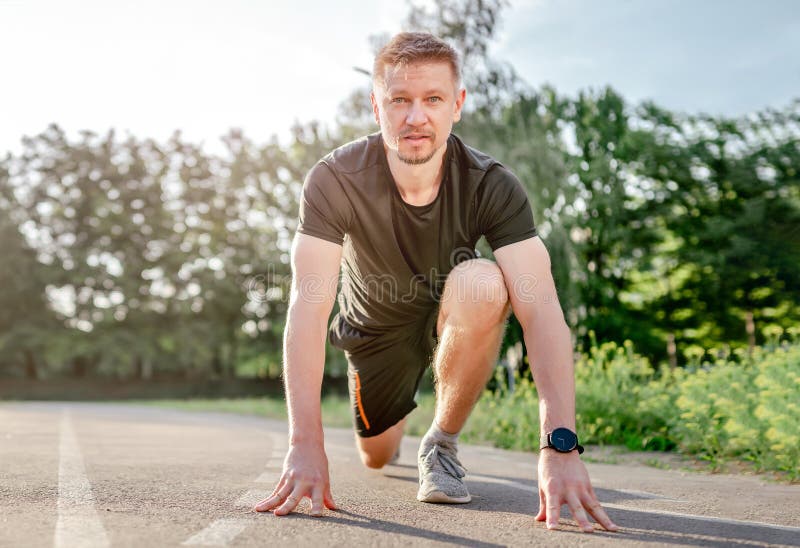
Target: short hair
[(407, 48)]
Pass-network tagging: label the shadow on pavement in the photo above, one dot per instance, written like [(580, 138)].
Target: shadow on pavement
[(365, 522), (647, 526), (639, 524)]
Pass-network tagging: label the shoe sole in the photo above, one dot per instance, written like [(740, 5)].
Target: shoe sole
[(438, 497)]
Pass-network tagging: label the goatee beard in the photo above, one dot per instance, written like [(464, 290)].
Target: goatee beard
[(415, 161)]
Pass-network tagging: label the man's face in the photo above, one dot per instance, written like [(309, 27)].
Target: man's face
[(416, 109)]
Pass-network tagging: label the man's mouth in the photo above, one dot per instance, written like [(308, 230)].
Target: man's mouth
[(416, 138)]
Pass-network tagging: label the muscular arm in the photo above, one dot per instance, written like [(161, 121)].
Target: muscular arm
[(315, 269), (562, 476), (535, 304)]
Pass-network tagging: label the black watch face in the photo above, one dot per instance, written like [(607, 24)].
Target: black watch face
[(563, 439)]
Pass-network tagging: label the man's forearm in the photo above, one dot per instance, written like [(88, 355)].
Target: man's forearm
[(304, 363), (550, 355)]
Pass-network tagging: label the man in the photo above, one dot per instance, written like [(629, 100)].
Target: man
[(404, 209)]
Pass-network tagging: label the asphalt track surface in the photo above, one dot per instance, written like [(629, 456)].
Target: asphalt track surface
[(122, 475)]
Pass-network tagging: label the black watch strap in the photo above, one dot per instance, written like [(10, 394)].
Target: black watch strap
[(578, 447)]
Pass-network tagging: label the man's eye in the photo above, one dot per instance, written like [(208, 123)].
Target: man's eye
[(434, 99), (398, 100)]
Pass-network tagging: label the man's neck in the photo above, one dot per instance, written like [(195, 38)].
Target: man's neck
[(417, 184)]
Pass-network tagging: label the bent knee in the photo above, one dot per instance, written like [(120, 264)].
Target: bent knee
[(376, 452), (375, 462), (477, 288)]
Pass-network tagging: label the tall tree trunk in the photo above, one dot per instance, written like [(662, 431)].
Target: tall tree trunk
[(750, 327), (672, 351), (233, 355), (78, 367), (216, 363), (31, 371), (138, 370), (147, 369)]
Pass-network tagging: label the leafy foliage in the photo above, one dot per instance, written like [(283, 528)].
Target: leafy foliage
[(128, 257), (726, 409)]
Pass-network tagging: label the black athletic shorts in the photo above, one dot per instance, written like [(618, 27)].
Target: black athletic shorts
[(384, 370)]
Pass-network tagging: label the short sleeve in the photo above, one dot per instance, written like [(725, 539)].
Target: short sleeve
[(503, 211), (325, 211)]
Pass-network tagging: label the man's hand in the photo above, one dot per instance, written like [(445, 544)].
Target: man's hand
[(563, 480), (305, 474)]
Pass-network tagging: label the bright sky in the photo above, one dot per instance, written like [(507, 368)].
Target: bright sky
[(204, 66)]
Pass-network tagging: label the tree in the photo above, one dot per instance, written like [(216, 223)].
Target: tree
[(24, 315)]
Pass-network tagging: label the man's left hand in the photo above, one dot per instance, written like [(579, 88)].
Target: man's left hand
[(563, 480)]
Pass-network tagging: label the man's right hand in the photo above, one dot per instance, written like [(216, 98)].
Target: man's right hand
[(305, 474)]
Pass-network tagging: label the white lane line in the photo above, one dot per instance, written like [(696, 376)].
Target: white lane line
[(518, 485), (727, 521), (223, 531), (78, 522), (642, 494), (249, 499), (267, 477), (219, 533)]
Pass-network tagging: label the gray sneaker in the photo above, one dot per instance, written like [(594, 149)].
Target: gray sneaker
[(441, 476)]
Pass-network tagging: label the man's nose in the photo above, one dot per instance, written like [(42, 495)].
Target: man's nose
[(416, 114)]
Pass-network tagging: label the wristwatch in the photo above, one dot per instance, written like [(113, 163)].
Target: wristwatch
[(562, 440)]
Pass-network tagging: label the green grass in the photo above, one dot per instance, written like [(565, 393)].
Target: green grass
[(655, 463), (273, 408), (335, 409), (335, 412)]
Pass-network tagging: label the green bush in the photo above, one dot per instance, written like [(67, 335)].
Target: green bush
[(743, 410), (778, 409), (741, 407), (607, 382)]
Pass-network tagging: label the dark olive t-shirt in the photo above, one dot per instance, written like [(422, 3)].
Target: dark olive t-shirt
[(396, 256)]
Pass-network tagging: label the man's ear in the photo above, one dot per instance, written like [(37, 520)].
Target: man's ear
[(461, 96), (375, 110)]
